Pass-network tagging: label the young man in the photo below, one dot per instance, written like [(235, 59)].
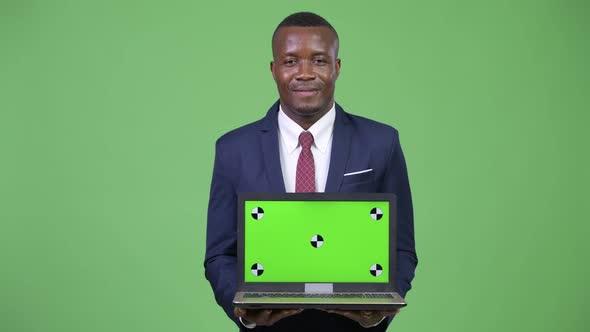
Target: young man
[(305, 143)]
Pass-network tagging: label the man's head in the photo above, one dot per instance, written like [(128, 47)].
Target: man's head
[(305, 65)]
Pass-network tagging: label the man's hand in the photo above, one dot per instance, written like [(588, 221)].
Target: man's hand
[(264, 317), (364, 317)]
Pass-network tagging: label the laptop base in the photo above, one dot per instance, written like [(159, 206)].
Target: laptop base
[(342, 301)]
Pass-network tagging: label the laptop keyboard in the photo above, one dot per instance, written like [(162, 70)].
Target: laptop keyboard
[(321, 295)]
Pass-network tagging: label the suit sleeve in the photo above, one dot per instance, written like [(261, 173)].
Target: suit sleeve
[(221, 250), (396, 181)]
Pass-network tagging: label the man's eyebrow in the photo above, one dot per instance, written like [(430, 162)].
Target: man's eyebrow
[(313, 53)]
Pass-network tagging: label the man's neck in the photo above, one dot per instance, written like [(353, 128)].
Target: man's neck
[(305, 121)]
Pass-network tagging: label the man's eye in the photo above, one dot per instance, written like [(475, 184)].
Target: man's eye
[(289, 62), (320, 61)]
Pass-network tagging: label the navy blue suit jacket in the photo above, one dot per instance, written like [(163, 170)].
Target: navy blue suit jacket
[(247, 160)]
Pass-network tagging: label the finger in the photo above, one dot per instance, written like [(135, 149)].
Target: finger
[(286, 312), (370, 318), (239, 312), (364, 317), (260, 317), (265, 314), (337, 311), (352, 314), (348, 313), (281, 314), (389, 312), (366, 313)]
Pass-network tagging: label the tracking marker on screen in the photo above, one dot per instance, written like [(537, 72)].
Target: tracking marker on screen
[(317, 241), (376, 270), (257, 269), (376, 213), (257, 213)]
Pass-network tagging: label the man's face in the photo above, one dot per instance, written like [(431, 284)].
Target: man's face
[(305, 68)]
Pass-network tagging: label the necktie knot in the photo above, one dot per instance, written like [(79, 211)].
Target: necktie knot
[(306, 140)]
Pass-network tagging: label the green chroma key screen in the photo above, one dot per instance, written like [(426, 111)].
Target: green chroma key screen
[(316, 241)]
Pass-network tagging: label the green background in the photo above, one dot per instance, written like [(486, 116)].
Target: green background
[(280, 241), (109, 111)]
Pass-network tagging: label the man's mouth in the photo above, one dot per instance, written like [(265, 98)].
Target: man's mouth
[(306, 92)]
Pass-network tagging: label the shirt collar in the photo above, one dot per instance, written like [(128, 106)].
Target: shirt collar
[(321, 130)]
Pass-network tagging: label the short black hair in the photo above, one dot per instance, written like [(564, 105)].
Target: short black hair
[(304, 19)]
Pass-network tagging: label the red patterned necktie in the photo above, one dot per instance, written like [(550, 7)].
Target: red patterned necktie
[(305, 178)]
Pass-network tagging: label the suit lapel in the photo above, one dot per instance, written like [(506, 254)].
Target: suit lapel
[(270, 149), (340, 150)]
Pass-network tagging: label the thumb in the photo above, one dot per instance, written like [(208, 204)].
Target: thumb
[(240, 312)]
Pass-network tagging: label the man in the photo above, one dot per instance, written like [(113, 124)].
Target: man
[(305, 143)]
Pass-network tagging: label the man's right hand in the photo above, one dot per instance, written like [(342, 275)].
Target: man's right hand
[(264, 317)]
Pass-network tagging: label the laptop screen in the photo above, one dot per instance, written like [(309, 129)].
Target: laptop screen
[(316, 241)]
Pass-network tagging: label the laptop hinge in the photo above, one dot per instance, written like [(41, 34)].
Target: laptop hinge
[(319, 288)]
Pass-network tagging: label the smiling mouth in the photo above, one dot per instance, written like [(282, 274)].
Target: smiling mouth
[(305, 93)]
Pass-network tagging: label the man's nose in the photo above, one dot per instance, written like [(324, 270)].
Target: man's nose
[(305, 72)]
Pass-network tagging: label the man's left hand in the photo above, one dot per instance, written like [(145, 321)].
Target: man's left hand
[(365, 317)]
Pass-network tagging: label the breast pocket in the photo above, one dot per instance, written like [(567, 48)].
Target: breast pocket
[(358, 177)]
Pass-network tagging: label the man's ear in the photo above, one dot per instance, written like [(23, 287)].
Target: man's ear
[(337, 67), (272, 69)]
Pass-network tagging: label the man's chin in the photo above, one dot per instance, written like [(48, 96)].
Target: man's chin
[(307, 110)]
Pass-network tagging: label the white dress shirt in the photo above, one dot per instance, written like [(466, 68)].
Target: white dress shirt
[(321, 148)]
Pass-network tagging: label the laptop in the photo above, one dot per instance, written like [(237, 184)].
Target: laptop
[(317, 251)]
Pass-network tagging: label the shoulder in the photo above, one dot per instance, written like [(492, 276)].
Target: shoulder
[(249, 133), (371, 129), (243, 135)]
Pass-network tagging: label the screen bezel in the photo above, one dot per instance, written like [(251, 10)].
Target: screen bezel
[(300, 286)]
